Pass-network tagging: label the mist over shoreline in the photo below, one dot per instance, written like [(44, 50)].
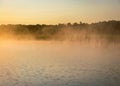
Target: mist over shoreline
[(100, 31)]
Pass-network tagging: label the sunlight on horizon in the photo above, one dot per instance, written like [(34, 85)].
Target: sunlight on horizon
[(57, 11)]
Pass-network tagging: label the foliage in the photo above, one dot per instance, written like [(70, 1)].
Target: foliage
[(106, 28)]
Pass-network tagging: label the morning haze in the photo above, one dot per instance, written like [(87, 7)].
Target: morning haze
[(59, 43)]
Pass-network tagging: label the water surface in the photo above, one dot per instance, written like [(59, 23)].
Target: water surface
[(45, 63)]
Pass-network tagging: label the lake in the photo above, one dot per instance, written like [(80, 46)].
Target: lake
[(59, 63)]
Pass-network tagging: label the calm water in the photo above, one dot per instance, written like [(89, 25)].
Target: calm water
[(40, 63)]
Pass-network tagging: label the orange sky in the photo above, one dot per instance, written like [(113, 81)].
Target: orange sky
[(57, 11)]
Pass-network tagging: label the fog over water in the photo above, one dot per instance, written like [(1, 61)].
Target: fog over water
[(59, 43), (60, 55), (61, 63)]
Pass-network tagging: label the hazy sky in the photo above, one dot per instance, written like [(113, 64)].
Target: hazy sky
[(57, 11)]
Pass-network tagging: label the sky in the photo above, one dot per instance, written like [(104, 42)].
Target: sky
[(58, 11)]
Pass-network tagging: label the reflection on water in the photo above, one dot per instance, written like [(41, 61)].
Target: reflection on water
[(43, 63)]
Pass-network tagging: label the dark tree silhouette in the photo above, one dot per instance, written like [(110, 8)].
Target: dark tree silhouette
[(43, 31)]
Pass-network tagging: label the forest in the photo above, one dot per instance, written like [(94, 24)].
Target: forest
[(109, 30)]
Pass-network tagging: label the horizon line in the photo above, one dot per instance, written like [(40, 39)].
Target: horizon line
[(60, 23)]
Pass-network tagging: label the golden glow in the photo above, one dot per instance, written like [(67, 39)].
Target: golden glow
[(57, 11)]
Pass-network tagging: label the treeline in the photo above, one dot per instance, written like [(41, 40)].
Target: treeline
[(61, 31)]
